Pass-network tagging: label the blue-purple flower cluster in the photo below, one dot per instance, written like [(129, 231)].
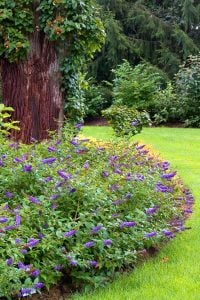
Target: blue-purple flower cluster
[(82, 207)]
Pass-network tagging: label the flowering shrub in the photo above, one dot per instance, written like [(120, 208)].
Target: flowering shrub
[(126, 121), (81, 208)]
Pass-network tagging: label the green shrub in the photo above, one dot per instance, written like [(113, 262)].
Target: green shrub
[(136, 87), (187, 84), (164, 107), (5, 124), (126, 121), (97, 98), (85, 209)]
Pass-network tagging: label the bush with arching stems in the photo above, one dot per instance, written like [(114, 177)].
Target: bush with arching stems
[(81, 208)]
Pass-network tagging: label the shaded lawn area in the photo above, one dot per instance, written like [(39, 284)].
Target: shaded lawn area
[(174, 273)]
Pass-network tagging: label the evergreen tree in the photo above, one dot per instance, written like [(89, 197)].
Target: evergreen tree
[(162, 32)]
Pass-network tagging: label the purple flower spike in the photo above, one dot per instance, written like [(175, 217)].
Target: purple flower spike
[(17, 220), (24, 251), (1, 163), (27, 168), (70, 233), (79, 126), (167, 233), (105, 174), (32, 242), (168, 176), (51, 149), (93, 263), (35, 273), (64, 175), (134, 122), (127, 224), (48, 161), (151, 210), (89, 244), (34, 200), (26, 292), (107, 242), (8, 194), (58, 267), (9, 262), (39, 285), (73, 262), (3, 220), (150, 234), (96, 229), (17, 241)]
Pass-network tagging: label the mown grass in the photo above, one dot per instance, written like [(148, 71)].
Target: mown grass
[(174, 274)]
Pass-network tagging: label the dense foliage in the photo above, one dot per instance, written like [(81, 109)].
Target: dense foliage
[(73, 26), (163, 33), (187, 86), (5, 124), (126, 121), (83, 209)]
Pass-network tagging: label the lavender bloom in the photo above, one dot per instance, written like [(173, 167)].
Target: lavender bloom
[(1, 163), (89, 244), (24, 267), (54, 206), (3, 220), (40, 235), (79, 126), (74, 142), (128, 196), (134, 122), (26, 292), (167, 233), (93, 263), (151, 210), (105, 174), (139, 177), (165, 165), (114, 187), (127, 224), (38, 285), (117, 171), (58, 142), (163, 188), (9, 227), (73, 262), (34, 200), (86, 165), (17, 241), (150, 234), (47, 179), (8, 194), (58, 267), (17, 220), (70, 233), (107, 242), (129, 177), (168, 176), (35, 273), (24, 251), (96, 229), (14, 145), (51, 149), (48, 161), (118, 202), (64, 175), (17, 160), (188, 211), (32, 242), (72, 190), (54, 197), (9, 261), (27, 168)]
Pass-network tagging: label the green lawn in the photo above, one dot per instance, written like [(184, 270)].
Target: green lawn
[(179, 277)]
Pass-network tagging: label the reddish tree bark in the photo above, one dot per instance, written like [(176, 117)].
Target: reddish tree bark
[(32, 88)]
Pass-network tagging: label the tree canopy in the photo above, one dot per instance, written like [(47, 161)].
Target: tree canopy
[(163, 32)]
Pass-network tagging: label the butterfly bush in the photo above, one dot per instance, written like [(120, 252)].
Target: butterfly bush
[(82, 208)]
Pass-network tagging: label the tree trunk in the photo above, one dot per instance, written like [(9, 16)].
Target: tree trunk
[(32, 88)]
